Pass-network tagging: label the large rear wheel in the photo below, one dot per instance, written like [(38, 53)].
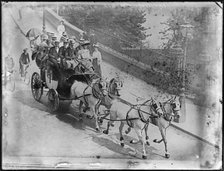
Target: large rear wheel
[(36, 86)]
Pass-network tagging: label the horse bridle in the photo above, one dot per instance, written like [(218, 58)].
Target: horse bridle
[(115, 88)]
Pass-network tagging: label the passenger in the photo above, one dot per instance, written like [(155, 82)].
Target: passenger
[(85, 53), (70, 51), (41, 59), (53, 40), (70, 55), (54, 51), (34, 43), (62, 49)]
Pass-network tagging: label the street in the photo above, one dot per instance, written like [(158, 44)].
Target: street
[(32, 130)]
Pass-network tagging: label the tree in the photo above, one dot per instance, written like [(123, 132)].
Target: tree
[(123, 23)]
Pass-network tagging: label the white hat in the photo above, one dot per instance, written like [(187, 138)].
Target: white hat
[(95, 45)]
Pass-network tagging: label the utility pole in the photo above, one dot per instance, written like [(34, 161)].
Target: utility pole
[(186, 26), (183, 89), (44, 27), (57, 8)]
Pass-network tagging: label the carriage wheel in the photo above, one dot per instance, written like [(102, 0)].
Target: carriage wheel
[(36, 86), (53, 100)]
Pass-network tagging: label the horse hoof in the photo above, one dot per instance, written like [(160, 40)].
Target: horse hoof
[(105, 132), (147, 143), (144, 156), (155, 140), (167, 155), (97, 129), (100, 121), (122, 144), (112, 125)]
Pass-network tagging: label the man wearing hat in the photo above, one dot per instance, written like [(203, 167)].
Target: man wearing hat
[(84, 52), (70, 55), (97, 60), (63, 48), (70, 51), (24, 61), (54, 51), (53, 58)]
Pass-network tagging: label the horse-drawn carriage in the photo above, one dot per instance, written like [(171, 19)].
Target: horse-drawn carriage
[(59, 79)]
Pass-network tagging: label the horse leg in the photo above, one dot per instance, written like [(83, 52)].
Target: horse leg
[(159, 141), (142, 139), (108, 126), (92, 109), (121, 137), (135, 141), (97, 107), (128, 130), (80, 109), (162, 131), (146, 135)]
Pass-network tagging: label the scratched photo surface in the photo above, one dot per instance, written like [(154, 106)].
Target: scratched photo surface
[(112, 85)]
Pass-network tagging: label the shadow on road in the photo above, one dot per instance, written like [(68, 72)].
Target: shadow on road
[(25, 97), (116, 147)]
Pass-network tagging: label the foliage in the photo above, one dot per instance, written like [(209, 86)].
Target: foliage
[(124, 23), (197, 17)]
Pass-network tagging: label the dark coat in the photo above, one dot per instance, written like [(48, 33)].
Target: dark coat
[(24, 58), (70, 53), (53, 53), (62, 51)]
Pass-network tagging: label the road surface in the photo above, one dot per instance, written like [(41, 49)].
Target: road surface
[(30, 129)]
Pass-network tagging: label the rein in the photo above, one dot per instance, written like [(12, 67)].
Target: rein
[(165, 115), (128, 120)]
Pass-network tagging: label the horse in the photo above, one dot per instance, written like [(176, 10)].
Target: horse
[(90, 95), (114, 87), (171, 110), (135, 116)]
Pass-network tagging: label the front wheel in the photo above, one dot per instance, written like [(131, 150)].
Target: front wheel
[(53, 100), (36, 86)]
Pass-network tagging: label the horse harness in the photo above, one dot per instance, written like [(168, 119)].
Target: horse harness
[(96, 92), (140, 113), (164, 111)]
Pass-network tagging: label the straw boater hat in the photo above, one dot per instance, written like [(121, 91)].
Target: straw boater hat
[(57, 40), (44, 36), (71, 41), (64, 40), (95, 45), (54, 38)]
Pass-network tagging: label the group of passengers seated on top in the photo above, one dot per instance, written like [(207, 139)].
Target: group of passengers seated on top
[(65, 53)]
